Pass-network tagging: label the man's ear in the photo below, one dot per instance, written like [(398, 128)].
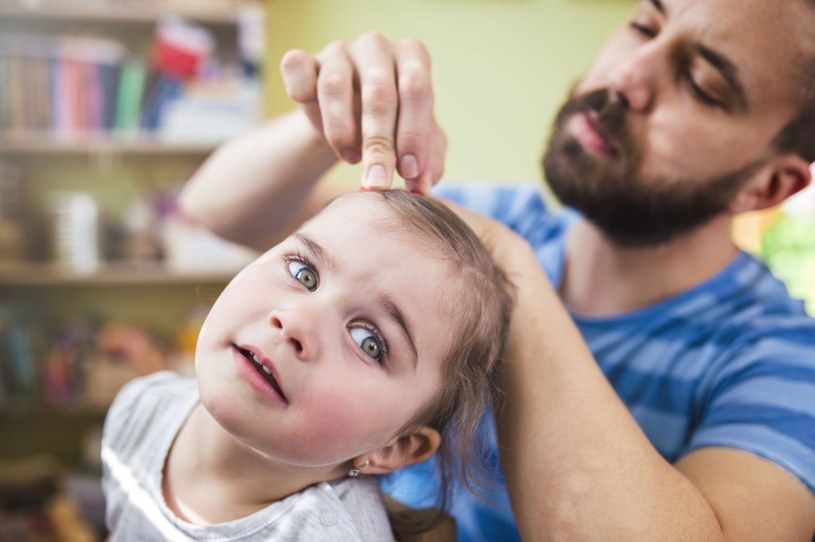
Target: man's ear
[(402, 451), (778, 179)]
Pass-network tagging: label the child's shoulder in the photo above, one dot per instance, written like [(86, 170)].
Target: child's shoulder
[(163, 384), (148, 398), (364, 503)]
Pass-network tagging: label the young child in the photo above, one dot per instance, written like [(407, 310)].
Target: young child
[(351, 348)]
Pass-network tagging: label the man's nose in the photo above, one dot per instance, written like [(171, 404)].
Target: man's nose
[(636, 80), (297, 326)]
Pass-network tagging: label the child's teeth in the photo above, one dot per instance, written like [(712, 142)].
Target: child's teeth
[(255, 358), (266, 370)]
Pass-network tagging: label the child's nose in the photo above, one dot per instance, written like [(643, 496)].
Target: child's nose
[(294, 329)]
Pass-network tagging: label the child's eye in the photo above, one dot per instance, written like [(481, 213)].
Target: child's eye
[(304, 274), (370, 342)]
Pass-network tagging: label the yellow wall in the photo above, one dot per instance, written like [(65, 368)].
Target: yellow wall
[(500, 67)]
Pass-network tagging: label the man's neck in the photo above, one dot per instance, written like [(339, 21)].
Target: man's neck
[(603, 279), (210, 477)]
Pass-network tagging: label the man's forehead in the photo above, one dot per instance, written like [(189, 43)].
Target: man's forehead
[(748, 21), (770, 42)]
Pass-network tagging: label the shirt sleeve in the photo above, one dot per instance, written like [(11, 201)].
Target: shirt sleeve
[(523, 209), (512, 205), (123, 404), (764, 402)]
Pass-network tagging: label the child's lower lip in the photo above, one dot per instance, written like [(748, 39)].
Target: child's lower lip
[(248, 371)]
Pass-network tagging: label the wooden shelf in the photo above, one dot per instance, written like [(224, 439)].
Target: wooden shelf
[(45, 410), (37, 144), (65, 11), (44, 275)]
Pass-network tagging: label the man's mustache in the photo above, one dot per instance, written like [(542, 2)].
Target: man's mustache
[(610, 113)]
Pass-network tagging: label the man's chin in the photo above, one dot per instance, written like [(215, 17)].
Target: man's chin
[(569, 169)]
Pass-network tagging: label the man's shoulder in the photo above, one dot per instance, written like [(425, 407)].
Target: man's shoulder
[(489, 197), (760, 303), (524, 208)]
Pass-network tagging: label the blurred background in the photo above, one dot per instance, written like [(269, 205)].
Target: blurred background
[(108, 106)]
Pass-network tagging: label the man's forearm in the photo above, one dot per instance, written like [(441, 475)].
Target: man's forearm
[(256, 186), (578, 466)]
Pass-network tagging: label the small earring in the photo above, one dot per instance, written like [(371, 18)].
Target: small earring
[(356, 471)]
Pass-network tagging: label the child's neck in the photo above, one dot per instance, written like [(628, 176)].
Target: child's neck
[(210, 477)]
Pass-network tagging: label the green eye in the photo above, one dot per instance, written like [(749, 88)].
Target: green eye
[(368, 342), (304, 274), (371, 347)]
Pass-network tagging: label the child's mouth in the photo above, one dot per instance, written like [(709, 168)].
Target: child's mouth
[(263, 370)]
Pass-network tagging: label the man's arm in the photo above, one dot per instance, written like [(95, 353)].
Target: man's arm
[(578, 466), (369, 100), (255, 189)]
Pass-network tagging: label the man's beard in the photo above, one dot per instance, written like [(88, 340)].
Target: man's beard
[(628, 209)]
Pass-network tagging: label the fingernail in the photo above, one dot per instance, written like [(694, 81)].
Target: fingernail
[(351, 157), (376, 177), (409, 166)]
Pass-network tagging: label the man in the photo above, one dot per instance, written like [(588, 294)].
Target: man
[(680, 406)]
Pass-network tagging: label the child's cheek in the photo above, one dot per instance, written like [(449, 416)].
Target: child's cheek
[(343, 427)]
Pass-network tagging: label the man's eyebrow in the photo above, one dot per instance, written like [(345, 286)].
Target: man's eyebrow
[(728, 70), (316, 249), (658, 5), (393, 311)]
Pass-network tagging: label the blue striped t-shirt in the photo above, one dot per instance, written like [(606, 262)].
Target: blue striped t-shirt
[(730, 362)]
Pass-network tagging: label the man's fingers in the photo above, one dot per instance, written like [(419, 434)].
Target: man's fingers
[(434, 166), (299, 71), (335, 94), (379, 104), (372, 100), (415, 122)]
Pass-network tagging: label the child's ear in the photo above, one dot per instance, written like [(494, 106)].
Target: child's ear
[(402, 451), (780, 178)]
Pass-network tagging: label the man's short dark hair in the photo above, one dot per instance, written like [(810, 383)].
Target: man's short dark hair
[(798, 136)]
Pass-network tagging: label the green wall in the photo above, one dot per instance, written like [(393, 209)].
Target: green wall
[(500, 67)]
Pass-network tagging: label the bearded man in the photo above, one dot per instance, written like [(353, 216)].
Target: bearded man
[(659, 382)]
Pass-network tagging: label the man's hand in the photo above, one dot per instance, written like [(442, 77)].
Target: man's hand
[(372, 99)]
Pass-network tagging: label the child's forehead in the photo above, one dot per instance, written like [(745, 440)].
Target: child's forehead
[(411, 226), (365, 209), (357, 200)]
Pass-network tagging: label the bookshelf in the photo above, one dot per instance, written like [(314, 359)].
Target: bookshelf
[(28, 144), (45, 275), (85, 144), (113, 13), (65, 129)]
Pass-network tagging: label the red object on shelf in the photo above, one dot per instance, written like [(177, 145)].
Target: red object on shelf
[(181, 48), (176, 60)]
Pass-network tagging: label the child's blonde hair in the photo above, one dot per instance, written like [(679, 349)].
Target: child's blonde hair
[(482, 302)]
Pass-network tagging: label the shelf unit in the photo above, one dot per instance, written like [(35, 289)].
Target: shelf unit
[(120, 13), (114, 170), (28, 144), (45, 275)]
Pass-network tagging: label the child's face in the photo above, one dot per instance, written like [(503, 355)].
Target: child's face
[(352, 322)]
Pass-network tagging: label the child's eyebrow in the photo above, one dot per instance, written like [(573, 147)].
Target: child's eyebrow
[(393, 311), (390, 308), (320, 254)]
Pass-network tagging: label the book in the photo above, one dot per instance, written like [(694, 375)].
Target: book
[(131, 86)]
